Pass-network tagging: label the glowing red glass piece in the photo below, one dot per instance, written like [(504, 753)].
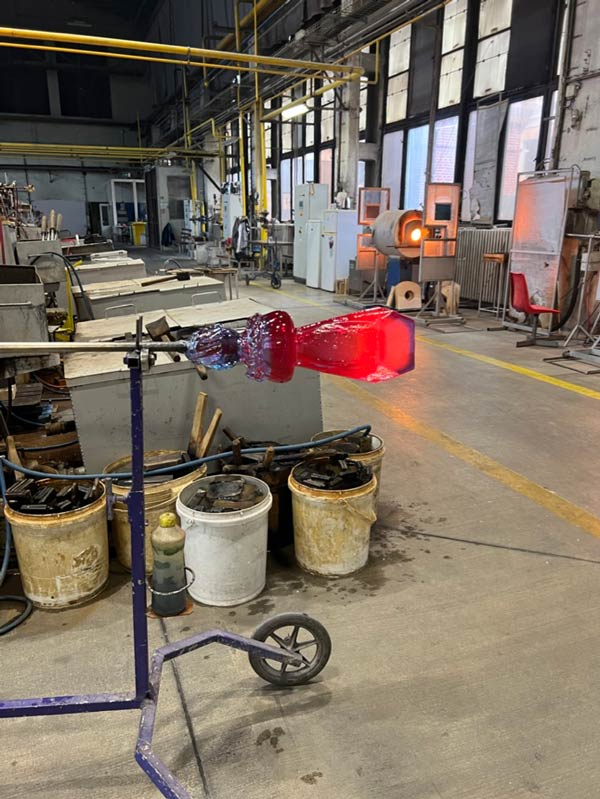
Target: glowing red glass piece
[(374, 345)]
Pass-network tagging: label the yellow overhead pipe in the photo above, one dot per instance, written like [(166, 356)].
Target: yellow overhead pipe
[(152, 59), (299, 100), (172, 49)]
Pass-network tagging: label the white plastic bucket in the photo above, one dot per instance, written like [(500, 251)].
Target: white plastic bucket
[(332, 529), (226, 551)]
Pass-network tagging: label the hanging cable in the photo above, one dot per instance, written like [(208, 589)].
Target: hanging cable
[(21, 600)]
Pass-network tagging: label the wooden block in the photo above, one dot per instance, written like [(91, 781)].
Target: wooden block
[(196, 431), (210, 433)]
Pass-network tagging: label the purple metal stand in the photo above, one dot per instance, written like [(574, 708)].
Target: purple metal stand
[(147, 682)]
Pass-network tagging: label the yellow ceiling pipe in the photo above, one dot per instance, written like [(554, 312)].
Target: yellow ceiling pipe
[(187, 52), (153, 59)]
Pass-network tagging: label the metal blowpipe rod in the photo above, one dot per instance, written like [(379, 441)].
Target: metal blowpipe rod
[(24, 348)]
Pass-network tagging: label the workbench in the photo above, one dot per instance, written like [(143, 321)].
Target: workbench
[(131, 296), (110, 270), (99, 386)]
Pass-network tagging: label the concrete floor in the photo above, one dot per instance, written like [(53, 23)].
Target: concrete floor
[(464, 656)]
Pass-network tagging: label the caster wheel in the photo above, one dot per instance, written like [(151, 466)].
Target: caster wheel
[(275, 281), (295, 632)]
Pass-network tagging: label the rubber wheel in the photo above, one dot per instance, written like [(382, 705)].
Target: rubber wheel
[(275, 281), (295, 632)]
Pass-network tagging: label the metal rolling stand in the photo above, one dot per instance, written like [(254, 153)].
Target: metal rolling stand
[(139, 357)]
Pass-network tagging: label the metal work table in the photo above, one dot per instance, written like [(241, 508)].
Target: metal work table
[(130, 296)]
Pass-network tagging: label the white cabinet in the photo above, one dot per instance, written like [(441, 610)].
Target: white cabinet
[(310, 202), (339, 231), (313, 254)]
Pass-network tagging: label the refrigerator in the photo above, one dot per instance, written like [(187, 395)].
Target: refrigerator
[(339, 230), (310, 202)]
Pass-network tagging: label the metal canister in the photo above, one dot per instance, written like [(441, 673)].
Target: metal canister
[(168, 572)]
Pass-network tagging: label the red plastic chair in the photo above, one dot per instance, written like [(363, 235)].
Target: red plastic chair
[(519, 299)]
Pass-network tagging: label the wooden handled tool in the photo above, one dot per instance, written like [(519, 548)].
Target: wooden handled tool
[(179, 275)]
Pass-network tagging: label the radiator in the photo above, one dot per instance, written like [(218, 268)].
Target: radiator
[(472, 243)]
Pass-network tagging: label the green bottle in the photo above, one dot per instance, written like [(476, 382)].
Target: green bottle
[(168, 572)]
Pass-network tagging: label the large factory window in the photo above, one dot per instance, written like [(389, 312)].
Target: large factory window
[(309, 168), (445, 135), (286, 189), (391, 165), (327, 115), (490, 71), (453, 41), (398, 64), (416, 164), (362, 117), (492, 51), (309, 129), (286, 137), (520, 149)]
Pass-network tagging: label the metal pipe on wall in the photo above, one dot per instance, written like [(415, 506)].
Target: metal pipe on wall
[(570, 11)]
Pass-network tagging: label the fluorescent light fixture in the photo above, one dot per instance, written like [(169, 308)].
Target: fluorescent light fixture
[(295, 111)]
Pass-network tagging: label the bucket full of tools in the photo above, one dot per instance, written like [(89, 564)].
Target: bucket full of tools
[(225, 518), (366, 449), (61, 539), (333, 501), (160, 496)]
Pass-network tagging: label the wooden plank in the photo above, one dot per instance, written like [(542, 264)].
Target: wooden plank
[(210, 433), (196, 432)]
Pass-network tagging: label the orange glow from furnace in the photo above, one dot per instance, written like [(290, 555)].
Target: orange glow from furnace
[(416, 234)]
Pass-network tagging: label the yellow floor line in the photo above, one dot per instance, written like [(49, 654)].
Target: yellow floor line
[(516, 482), (513, 367)]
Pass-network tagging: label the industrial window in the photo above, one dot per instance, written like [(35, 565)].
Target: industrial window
[(399, 58), (469, 171), (327, 115), (23, 88), (520, 149), (309, 129), (326, 167), (494, 16), (362, 118), (360, 174), (85, 93), (416, 164), (391, 165), (286, 189), (397, 98), (286, 137), (455, 23), (297, 174), (451, 71), (445, 135), (309, 168), (490, 70)]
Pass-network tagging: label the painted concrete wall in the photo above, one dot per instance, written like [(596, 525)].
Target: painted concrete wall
[(580, 143)]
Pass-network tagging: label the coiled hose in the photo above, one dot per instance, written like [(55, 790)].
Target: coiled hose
[(364, 429)]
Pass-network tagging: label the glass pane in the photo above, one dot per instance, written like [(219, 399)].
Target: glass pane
[(397, 98), (451, 79), (360, 175), (399, 58), (297, 174), (455, 22), (520, 149), (465, 213), (391, 165), (326, 167), (327, 115), (444, 150), (286, 137), (494, 16), (416, 164), (309, 168), (362, 123), (309, 129), (286, 190), (490, 71), (551, 128)]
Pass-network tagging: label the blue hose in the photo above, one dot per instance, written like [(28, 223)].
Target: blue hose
[(365, 429)]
